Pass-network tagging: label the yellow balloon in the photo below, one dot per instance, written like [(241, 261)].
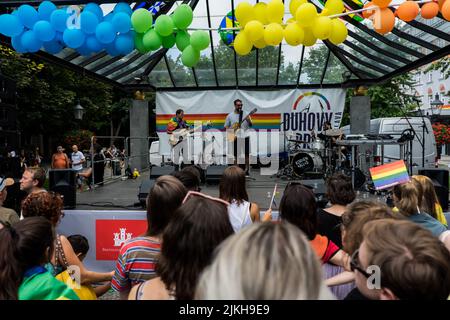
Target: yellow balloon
[(254, 30), (242, 44), (325, 12), (244, 13), (260, 44), (293, 6), (309, 38), (291, 20), (339, 32), (306, 14), (293, 34), (273, 34), (322, 28), (261, 12), (334, 6), (275, 11)]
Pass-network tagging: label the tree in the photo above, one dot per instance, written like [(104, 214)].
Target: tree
[(314, 64)]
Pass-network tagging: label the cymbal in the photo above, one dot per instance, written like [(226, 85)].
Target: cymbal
[(333, 132), (297, 141)]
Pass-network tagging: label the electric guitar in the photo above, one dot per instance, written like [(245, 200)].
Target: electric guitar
[(231, 135), (179, 135)]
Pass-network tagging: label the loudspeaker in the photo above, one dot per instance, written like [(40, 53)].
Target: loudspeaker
[(156, 172), (440, 181), (214, 173), (63, 181), (144, 190)]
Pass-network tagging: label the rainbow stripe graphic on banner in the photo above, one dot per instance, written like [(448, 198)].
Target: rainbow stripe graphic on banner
[(312, 93), (389, 175), (261, 121), (445, 107)]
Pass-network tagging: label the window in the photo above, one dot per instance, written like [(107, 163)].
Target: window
[(430, 76), (418, 78), (441, 75), (430, 98)]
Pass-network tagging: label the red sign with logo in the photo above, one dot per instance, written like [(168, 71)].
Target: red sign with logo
[(111, 234)]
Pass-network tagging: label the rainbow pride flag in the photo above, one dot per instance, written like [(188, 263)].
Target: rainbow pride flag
[(389, 175)]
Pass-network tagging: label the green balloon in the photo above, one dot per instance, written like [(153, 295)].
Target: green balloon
[(164, 25), (141, 20), (200, 40), (190, 56), (183, 39), (139, 44), (168, 42), (182, 16), (152, 40)]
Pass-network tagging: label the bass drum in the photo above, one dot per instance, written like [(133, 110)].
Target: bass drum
[(304, 162)]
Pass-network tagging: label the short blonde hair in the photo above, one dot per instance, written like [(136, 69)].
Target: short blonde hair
[(265, 261)]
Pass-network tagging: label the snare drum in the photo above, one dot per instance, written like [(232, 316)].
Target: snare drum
[(304, 162)]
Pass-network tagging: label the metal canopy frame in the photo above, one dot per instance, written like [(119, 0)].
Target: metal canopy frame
[(371, 58)]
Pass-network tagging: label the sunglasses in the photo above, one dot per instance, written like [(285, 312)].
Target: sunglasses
[(355, 264), (199, 194)]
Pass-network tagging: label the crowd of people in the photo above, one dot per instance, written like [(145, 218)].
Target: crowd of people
[(202, 247)]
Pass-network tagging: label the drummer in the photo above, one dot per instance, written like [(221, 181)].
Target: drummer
[(328, 136)]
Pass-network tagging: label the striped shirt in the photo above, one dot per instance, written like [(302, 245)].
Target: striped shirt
[(136, 263)]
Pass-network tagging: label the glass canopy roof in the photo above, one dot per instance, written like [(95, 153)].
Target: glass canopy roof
[(365, 58)]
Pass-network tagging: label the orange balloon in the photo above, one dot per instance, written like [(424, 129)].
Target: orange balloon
[(441, 3), (383, 21), (408, 11), (382, 3), (445, 10), (429, 10), (366, 14)]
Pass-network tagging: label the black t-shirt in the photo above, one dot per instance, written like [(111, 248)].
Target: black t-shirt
[(329, 225), (355, 294)]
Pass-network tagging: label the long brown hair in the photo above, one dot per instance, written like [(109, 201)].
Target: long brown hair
[(22, 246), (414, 264), (407, 198), (232, 185), (429, 199)]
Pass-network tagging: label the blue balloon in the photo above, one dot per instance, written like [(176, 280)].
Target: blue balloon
[(109, 17), (124, 44), (123, 7), (105, 33), (93, 44), (10, 25), (59, 19), (84, 50), (53, 47), (74, 38), (16, 43), (121, 22), (28, 15), (111, 49), (59, 37), (45, 10), (95, 9), (30, 42), (44, 30), (88, 22)]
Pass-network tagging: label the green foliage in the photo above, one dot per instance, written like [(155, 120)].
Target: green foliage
[(82, 138), (442, 65)]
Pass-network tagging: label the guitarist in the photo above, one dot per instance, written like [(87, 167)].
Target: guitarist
[(175, 123), (234, 122)]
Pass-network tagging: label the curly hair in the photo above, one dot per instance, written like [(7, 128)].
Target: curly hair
[(43, 204)]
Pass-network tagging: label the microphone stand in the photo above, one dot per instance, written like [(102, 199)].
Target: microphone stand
[(424, 129)]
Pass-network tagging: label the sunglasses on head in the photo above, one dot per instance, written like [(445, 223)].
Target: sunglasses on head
[(199, 194), (355, 264)]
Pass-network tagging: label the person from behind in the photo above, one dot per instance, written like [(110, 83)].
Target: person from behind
[(232, 188), (198, 227), (137, 257), (355, 217), (50, 205), (80, 246), (189, 179), (430, 201), (24, 249), (33, 180), (266, 261), (60, 160), (409, 262), (7, 216), (406, 200)]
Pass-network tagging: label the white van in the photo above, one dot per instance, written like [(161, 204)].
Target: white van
[(395, 127)]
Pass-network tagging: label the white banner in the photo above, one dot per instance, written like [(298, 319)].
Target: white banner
[(294, 112)]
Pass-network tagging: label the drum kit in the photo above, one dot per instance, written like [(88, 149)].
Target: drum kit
[(320, 158)]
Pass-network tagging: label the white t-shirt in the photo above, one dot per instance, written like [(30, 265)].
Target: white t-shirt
[(76, 158), (239, 215), (233, 118)]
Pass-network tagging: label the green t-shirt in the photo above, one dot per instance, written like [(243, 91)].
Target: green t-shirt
[(41, 285)]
